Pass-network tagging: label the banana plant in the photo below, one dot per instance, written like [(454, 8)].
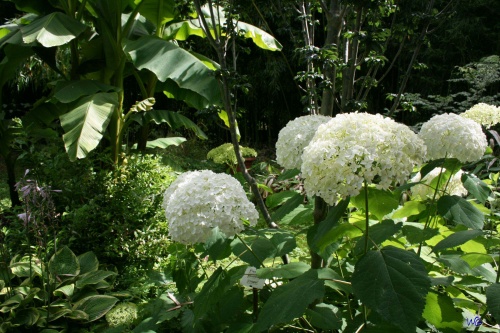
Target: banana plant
[(107, 42)]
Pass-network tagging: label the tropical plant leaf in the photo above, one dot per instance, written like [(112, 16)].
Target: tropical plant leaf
[(290, 300), (95, 306), (85, 125), (173, 119), (191, 98), (14, 55), (64, 262), (394, 283), (70, 91), (144, 105), (93, 278), (493, 300), (158, 12), (456, 239), (52, 30), (460, 211), (262, 39), (476, 187), (165, 142), (168, 61)]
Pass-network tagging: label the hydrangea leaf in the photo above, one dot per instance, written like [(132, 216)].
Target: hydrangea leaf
[(378, 233), (288, 271), (476, 187), (290, 300), (460, 211), (293, 202), (440, 312), (325, 317), (211, 293), (493, 300), (410, 208), (394, 283), (456, 239), (380, 202)]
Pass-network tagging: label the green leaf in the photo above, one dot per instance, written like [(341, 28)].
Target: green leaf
[(288, 271), (276, 199), (158, 12), (476, 187), (410, 208), (394, 283), (64, 262), (493, 300), (476, 259), (302, 215), (168, 61), (218, 245), (260, 38), (290, 300), (165, 142), (324, 316), (191, 98), (288, 207), (378, 234), (95, 306), (88, 262), (93, 278), (456, 239), (460, 211), (85, 125), (70, 91), (211, 293), (415, 232), (440, 312), (287, 174), (173, 119), (329, 229), (52, 30), (66, 290), (380, 202), (225, 118)]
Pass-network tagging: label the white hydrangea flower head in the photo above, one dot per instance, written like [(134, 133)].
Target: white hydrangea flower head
[(484, 114), (198, 201), (426, 189), (452, 136), (357, 147), (294, 137)]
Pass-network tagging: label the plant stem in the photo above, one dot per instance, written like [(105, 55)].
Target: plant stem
[(319, 214), (251, 251), (367, 217)]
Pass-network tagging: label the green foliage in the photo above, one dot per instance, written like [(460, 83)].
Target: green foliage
[(224, 154), (67, 291)]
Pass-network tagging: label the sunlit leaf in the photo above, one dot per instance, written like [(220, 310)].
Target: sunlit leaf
[(493, 300), (440, 312), (476, 187), (456, 239)]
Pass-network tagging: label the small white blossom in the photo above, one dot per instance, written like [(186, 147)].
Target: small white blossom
[(484, 114), (294, 137), (427, 186), (449, 135), (357, 147), (198, 201)]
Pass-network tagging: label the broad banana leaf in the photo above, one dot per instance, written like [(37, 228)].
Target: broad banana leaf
[(85, 125), (162, 142), (168, 61), (158, 11), (182, 30), (70, 91), (173, 119), (52, 30)]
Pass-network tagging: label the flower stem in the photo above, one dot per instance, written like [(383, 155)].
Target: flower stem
[(251, 251), (367, 214)]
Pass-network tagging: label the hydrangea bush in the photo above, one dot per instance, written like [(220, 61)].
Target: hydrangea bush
[(485, 114), (452, 136), (427, 185), (357, 147), (199, 201), (294, 137)]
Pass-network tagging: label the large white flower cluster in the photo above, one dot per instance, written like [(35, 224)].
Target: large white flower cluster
[(449, 135), (294, 137), (428, 184), (484, 114), (357, 147), (198, 201)]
